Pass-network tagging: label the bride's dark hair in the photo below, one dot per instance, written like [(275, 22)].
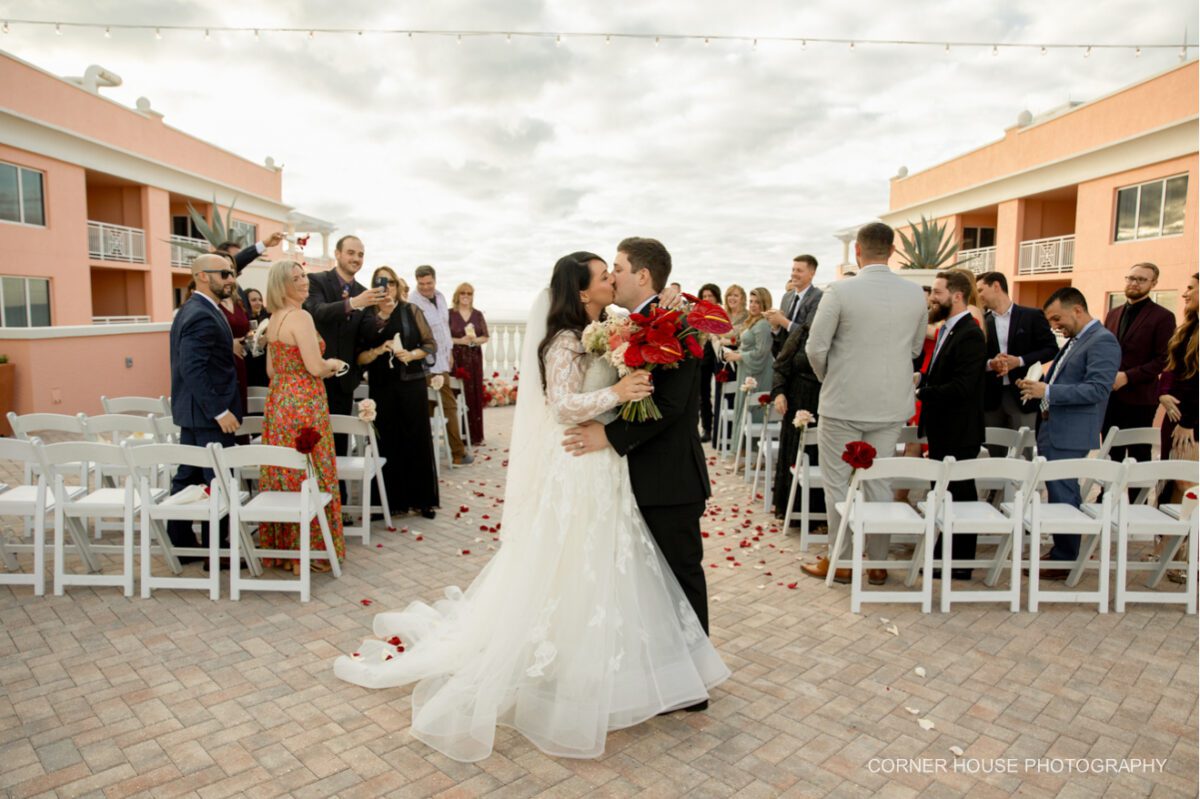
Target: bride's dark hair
[(572, 274)]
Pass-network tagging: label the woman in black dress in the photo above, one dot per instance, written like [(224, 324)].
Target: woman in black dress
[(396, 376), (708, 367), (794, 387)]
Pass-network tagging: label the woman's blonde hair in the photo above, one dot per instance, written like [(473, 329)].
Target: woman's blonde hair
[(735, 288), (1182, 348), (278, 279), (764, 302), (461, 288), (393, 278)]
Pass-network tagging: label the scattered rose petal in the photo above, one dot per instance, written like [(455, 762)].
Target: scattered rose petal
[(920, 671), (893, 629), (792, 586), (925, 724), (957, 751), (365, 602), (914, 711)]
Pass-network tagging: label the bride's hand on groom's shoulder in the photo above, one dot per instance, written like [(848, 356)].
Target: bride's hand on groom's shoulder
[(585, 438)]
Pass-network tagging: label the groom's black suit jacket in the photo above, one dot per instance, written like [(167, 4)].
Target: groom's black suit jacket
[(666, 461)]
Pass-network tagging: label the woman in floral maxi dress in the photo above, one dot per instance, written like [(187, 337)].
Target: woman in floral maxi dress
[(297, 367)]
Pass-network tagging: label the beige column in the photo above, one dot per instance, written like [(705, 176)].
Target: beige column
[(156, 221), (1009, 232)]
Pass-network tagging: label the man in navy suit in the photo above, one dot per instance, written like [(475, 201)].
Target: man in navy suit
[(205, 402), (1017, 338), (1072, 397)]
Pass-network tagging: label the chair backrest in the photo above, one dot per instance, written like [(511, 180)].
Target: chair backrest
[(120, 424), (73, 453), (151, 455), (18, 449), (251, 426), (1015, 441), (30, 423), (908, 435), (1090, 469), (361, 391), (257, 391), (1014, 470), (1147, 473), (729, 389), (1130, 437), (255, 406), (168, 431), (909, 468), (348, 425), (155, 405), (231, 458)]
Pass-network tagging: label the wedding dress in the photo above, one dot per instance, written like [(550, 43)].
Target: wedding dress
[(576, 626)]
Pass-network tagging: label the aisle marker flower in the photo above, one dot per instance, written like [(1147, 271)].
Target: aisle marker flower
[(860, 455), (306, 441)]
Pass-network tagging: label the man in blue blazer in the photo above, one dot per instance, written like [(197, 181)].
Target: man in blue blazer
[(1072, 397), (205, 402)]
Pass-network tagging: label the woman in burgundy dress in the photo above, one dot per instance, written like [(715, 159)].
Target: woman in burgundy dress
[(239, 323), (468, 331)]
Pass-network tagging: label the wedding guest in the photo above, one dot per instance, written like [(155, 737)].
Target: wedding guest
[(239, 323), (799, 302), (469, 332), (951, 395), (753, 359), (708, 367), (1143, 329), (794, 388), (437, 314), (1017, 338), (866, 335), (396, 375), (1071, 397), (735, 309), (335, 301), (403, 290), (204, 390), (299, 372), (256, 355), (1179, 391)]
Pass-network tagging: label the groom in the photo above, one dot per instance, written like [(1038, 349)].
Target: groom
[(666, 462)]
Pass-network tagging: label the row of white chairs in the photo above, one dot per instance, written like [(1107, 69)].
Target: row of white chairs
[(1020, 525), (139, 501)]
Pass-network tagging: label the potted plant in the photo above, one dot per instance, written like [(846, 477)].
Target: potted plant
[(7, 384)]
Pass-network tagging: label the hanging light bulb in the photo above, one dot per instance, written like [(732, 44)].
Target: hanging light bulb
[(1043, 50), (107, 32), (5, 28), (804, 44), (995, 50), (656, 41), (1088, 52), (754, 44), (607, 39), (256, 34), (1137, 53), (947, 47), (206, 35), (312, 35), (851, 45), (508, 38), (458, 40), (557, 39), (157, 34), (58, 29), (706, 41)]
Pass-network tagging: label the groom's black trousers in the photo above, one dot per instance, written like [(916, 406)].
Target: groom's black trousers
[(676, 530)]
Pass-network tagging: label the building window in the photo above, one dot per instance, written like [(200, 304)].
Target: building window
[(24, 302), (1152, 210), (974, 238), (21, 196), (182, 225), (247, 230), (1168, 298)]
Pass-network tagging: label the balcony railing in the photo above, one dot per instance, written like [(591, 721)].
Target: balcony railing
[(502, 353), (1047, 256), (119, 320), (979, 260), (116, 243), (182, 256)]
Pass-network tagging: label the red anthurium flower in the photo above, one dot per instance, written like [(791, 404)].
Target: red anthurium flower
[(709, 317), (722, 376), (664, 352), (859, 454)]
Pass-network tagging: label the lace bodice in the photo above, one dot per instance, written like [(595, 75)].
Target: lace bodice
[(566, 366)]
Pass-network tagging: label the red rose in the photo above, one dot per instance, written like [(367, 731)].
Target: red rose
[(722, 376), (307, 440), (859, 454), (693, 346), (764, 399), (634, 357), (709, 317)]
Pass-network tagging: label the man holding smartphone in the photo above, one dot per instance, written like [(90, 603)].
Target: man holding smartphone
[(336, 301)]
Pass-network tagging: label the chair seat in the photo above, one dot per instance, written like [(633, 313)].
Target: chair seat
[(1173, 510), (20, 500), (1156, 520), (813, 472), (1057, 514), (975, 515), (899, 515), (277, 506), (194, 510), (351, 466), (105, 500)]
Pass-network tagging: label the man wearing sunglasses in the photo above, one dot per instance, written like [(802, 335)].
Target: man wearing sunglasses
[(205, 402)]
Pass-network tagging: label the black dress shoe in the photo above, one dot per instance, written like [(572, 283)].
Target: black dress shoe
[(186, 559), (428, 513), (955, 574), (696, 708)]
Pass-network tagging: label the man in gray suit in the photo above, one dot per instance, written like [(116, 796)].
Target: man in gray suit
[(865, 337), (1073, 396), (799, 302)]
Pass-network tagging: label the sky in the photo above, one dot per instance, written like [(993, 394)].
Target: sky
[(490, 159)]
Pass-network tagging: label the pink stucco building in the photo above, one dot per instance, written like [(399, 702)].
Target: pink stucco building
[(93, 203), (1075, 196)]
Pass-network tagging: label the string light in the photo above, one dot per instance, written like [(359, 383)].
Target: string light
[(311, 35), (1042, 48), (508, 38), (1087, 53), (206, 35), (558, 41)]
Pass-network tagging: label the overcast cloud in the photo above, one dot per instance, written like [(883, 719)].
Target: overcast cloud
[(491, 159)]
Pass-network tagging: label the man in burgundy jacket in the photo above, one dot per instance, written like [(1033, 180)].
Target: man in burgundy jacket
[(1143, 328)]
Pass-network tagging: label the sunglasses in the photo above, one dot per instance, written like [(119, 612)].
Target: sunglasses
[(224, 273)]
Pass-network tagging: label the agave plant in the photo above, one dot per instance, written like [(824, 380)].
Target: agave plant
[(929, 247), (219, 232)]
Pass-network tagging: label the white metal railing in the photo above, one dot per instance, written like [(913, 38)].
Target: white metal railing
[(119, 320), (979, 260), (1047, 256), (183, 256), (502, 353), (116, 242)]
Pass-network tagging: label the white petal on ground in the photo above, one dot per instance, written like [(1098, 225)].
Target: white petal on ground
[(925, 724), (920, 671), (957, 750), (914, 711)]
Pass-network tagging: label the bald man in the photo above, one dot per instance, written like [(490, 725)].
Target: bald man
[(205, 401)]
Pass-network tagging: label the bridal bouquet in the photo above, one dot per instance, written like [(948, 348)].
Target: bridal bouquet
[(660, 337)]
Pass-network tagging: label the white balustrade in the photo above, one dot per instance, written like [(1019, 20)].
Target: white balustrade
[(183, 256), (1047, 256), (978, 260), (116, 243), (502, 353)]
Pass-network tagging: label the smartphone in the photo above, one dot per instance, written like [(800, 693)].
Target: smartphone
[(380, 282)]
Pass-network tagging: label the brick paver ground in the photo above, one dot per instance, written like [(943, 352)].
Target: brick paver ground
[(181, 696)]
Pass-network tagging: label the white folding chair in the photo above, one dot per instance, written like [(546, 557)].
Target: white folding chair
[(735, 452), (359, 471), (117, 428), (758, 438), (1048, 518), (464, 427), (251, 426), (770, 435), (158, 406), (805, 476), (1020, 444), (158, 509), (100, 503), (441, 440), (984, 518), (255, 406), (257, 391), (1142, 522), (60, 425), (726, 396), (863, 518), (280, 507), (30, 503), (1129, 437), (362, 391), (168, 431)]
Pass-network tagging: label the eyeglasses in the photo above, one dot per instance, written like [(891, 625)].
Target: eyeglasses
[(1132, 279), (224, 273)]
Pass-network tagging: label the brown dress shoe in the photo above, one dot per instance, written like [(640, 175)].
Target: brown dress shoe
[(820, 570), (876, 576)]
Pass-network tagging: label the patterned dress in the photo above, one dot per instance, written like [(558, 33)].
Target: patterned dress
[(297, 400), (471, 360)]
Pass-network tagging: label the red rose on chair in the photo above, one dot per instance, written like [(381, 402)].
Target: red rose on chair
[(722, 376), (307, 440), (859, 454), (765, 399)]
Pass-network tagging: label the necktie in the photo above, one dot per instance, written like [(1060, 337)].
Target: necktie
[(937, 345), (795, 315), (1045, 403)]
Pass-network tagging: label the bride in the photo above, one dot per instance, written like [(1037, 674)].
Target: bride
[(576, 626)]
